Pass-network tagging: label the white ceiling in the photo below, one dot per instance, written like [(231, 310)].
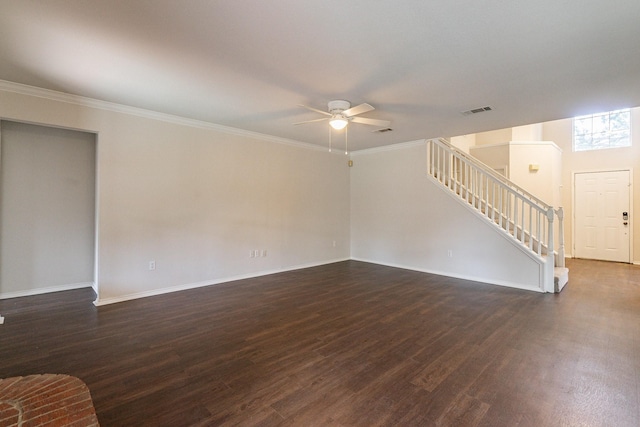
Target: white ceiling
[(249, 63)]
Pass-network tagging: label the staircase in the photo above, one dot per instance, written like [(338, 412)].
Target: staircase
[(528, 221)]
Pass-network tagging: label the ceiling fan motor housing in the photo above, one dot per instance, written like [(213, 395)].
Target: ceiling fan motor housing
[(338, 106)]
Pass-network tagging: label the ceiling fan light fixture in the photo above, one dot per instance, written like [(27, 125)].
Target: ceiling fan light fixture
[(338, 123)]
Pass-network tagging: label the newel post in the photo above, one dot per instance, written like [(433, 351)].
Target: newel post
[(550, 264), (560, 214)]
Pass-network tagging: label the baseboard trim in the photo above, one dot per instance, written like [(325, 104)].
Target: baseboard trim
[(456, 276), (106, 301), (49, 289), (187, 286)]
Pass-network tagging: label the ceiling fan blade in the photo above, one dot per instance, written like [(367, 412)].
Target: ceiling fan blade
[(311, 121), (358, 109), (315, 109), (372, 122)]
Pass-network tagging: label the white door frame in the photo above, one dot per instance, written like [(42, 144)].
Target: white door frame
[(573, 206)]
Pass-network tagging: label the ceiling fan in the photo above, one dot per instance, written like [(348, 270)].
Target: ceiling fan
[(341, 113)]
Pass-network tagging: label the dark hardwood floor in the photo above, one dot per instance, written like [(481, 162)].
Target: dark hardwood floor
[(347, 344)]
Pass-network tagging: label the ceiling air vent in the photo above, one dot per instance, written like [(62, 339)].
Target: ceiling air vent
[(382, 130), (476, 110)]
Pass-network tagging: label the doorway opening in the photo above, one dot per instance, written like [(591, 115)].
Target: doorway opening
[(47, 209)]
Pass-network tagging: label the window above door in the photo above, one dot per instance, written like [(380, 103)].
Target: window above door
[(603, 130)]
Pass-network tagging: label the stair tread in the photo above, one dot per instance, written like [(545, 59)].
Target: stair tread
[(560, 278)]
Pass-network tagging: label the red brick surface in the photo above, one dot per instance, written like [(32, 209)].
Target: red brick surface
[(45, 400)]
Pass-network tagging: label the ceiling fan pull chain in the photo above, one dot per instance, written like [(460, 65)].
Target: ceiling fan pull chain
[(346, 140), (329, 138)]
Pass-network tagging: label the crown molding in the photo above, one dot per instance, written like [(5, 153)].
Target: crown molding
[(68, 98), (391, 147)]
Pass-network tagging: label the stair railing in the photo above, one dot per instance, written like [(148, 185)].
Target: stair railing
[(523, 216)]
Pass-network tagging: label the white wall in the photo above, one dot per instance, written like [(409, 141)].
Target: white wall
[(196, 199), (494, 136), (527, 133), (47, 187), (545, 183), (464, 142), (561, 132), (496, 156), (400, 218)]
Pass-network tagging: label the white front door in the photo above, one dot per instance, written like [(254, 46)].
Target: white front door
[(601, 230)]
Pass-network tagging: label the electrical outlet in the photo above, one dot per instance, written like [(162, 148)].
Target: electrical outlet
[(152, 265), (450, 253)]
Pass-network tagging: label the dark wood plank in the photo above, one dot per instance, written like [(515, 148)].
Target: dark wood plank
[(345, 344)]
